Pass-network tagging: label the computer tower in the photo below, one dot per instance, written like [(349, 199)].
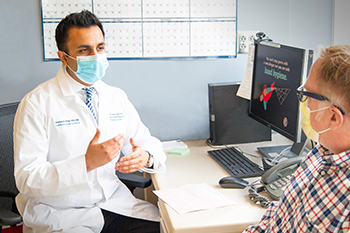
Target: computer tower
[(229, 120)]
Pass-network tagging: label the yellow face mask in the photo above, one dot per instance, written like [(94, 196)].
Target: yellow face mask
[(306, 121)]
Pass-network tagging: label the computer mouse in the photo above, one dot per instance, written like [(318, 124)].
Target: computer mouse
[(233, 182)]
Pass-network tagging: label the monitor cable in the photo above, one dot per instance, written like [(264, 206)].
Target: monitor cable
[(209, 142)]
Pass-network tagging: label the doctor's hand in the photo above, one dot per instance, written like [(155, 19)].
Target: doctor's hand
[(98, 154), (134, 161)]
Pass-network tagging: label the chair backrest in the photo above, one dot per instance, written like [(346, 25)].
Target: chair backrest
[(7, 179)]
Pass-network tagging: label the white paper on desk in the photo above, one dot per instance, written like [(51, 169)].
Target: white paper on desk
[(168, 145), (193, 197), (245, 88)]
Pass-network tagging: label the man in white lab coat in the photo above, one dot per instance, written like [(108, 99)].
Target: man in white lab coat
[(67, 145)]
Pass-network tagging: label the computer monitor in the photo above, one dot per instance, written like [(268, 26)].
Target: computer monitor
[(278, 70)]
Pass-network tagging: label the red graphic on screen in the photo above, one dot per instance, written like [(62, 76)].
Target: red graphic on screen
[(266, 94)]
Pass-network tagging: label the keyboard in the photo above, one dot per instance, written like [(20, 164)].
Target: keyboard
[(235, 163)]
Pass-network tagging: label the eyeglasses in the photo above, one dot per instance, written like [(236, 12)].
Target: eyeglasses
[(303, 95)]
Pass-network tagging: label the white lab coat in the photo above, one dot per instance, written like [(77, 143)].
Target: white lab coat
[(52, 130)]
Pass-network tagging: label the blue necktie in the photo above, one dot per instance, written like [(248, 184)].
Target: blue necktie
[(89, 92)]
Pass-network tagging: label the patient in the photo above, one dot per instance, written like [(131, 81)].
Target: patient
[(317, 198)]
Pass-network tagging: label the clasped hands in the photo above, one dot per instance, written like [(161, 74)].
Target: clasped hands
[(99, 154)]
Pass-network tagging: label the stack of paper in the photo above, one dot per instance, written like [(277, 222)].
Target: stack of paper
[(168, 145), (193, 197)]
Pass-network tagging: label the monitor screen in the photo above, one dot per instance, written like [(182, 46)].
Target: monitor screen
[(278, 71)]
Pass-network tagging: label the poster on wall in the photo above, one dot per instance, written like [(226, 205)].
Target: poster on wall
[(152, 29)]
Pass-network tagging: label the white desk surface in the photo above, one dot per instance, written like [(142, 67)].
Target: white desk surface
[(198, 167)]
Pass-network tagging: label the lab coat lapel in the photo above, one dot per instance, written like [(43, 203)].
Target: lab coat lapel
[(69, 88), (102, 111)]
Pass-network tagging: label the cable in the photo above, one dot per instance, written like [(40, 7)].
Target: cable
[(246, 153), (313, 144), (285, 149), (210, 144), (253, 191), (256, 197)]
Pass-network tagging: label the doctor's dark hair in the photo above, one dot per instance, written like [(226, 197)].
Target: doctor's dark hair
[(83, 19)]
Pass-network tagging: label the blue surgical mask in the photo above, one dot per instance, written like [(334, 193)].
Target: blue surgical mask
[(90, 68)]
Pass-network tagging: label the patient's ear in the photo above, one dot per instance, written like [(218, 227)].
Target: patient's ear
[(337, 118)]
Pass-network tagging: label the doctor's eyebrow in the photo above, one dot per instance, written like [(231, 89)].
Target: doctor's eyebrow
[(89, 46)]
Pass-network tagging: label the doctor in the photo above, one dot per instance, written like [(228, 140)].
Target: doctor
[(67, 144)]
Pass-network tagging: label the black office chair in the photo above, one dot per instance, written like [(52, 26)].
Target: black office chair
[(134, 180), (9, 215)]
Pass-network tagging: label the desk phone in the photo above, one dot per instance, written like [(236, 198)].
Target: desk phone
[(277, 177)]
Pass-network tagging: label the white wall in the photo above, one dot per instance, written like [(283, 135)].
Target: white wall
[(341, 19)]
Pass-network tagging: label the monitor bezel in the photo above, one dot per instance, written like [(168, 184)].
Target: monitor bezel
[(297, 135)]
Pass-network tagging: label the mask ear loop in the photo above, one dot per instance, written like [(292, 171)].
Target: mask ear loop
[(67, 61), (317, 110), (69, 56)]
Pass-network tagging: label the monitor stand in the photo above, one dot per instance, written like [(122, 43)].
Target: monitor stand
[(297, 149)]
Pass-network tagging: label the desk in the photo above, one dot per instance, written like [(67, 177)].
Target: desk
[(198, 167)]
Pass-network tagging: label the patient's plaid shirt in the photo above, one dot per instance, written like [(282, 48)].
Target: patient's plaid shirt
[(315, 200)]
